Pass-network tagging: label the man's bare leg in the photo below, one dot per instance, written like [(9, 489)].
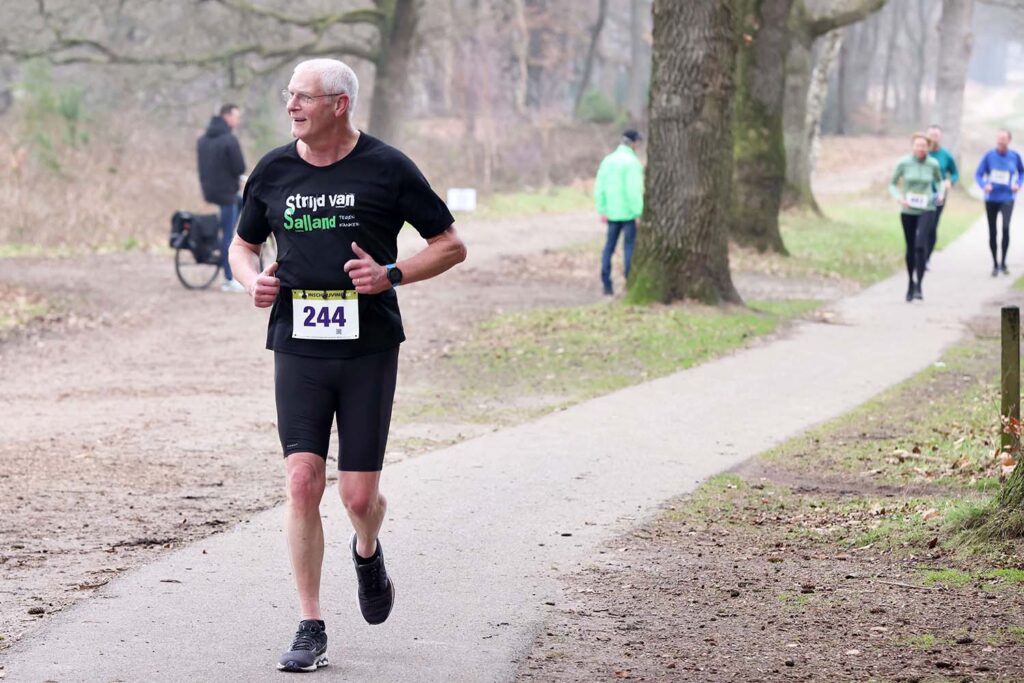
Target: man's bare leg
[(306, 480), (366, 507)]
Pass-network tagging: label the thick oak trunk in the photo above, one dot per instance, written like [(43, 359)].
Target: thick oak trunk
[(759, 171), (682, 249), (392, 67), (955, 40)]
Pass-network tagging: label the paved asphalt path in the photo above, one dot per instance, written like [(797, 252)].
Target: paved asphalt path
[(478, 534)]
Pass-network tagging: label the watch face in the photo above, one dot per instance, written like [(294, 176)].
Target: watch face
[(395, 276)]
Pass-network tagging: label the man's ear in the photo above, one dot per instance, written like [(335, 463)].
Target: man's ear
[(341, 105)]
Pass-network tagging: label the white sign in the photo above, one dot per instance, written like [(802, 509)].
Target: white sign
[(461, 199)]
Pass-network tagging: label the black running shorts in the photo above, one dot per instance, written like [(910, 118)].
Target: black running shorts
[(359, 392)]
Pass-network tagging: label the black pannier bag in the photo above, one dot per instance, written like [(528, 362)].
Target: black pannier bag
[(201, 232), (181, 223)]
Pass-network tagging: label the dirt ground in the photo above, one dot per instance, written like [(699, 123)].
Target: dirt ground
[(685, 600)]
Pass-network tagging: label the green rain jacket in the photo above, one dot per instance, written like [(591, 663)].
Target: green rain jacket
[(619, 189)]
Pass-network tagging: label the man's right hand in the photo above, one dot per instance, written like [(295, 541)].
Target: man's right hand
[(264, 290), (604, 219)]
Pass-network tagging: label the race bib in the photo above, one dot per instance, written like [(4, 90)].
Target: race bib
[(999, 177), (917, 201), (325, 314)]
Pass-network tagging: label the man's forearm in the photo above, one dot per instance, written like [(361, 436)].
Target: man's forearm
[(244, 263), (440, 254)]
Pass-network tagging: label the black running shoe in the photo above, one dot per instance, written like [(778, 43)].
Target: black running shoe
[(1003, 270), (995, 271), (910, 292), (917, 291), (309, 648), (376, 590)]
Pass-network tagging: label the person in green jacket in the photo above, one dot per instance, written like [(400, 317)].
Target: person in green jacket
[(619, 197), (922, 186), (950, 177)]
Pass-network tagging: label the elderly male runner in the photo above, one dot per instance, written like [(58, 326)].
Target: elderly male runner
[(335, 200)]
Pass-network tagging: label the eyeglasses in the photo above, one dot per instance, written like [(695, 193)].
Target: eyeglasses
[(286, 96)]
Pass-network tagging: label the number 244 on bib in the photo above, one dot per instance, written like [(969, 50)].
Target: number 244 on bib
[(325, 314)]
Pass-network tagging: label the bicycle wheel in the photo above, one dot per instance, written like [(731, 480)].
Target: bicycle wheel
[(192, 273)]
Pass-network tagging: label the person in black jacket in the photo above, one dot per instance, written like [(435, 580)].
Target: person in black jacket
[(220, 166)]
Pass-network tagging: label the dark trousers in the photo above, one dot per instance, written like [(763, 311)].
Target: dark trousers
[(992, 210), (228, 218), (915, 233), (933, 231), (629, 238)]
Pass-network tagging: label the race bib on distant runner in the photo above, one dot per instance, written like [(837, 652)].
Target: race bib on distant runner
[(325, 314), (917, 201), (999, 177)]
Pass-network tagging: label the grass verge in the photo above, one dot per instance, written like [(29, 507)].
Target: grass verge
[(521, 365), (18, 308), (906, 475), (558, 199), (855, 240)]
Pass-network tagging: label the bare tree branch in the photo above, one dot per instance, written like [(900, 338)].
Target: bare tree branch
[(65, 49), (839, 14), (99, 53), (367, 15)]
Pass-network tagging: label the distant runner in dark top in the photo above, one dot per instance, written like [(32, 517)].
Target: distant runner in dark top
[(950, 177), (220, 166), (999, 175), (919, 176), (335, 200)]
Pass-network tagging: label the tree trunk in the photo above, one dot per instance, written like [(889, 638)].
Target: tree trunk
[(521, 47), (392, 67), (805, 27), (955, 40), (588, 65), (802, 152), (816, 95), (682, 248), (916, 89), (841, 85), (759, 154), (887, 73), (636, 61)]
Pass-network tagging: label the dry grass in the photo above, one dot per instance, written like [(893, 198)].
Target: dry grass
[(117, 190)]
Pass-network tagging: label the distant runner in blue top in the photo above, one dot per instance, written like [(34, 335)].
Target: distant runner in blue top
[(999, 174), (950, 177)]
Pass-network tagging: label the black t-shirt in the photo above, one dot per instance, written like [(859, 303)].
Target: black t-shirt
[(316, 212)]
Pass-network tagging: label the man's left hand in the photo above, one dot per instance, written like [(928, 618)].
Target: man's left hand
[(368, 276)]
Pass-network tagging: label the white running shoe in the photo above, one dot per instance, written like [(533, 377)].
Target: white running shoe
[(232, 286)]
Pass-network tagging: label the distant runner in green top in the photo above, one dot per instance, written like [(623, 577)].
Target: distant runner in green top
[(619, 198), (950, 177), (921, 180)]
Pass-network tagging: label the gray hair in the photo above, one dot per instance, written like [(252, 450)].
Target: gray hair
[(335, 77)]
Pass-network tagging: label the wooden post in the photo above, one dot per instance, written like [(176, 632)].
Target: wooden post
[(1010, 413)]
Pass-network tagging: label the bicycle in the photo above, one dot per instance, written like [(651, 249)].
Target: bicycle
[(196, 240)]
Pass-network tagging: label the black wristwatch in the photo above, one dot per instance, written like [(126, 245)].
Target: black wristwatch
[(394, 275)]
